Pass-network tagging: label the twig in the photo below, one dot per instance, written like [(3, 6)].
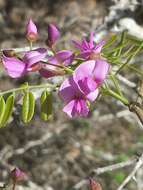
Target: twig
[(132, 174), (102, 170)]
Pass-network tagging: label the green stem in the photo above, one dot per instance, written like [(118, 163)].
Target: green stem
[(30, 45), (113, 78), (118, 97), (28, 87)]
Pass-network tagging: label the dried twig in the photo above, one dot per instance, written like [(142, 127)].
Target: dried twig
[(102, 170), (132, 174)]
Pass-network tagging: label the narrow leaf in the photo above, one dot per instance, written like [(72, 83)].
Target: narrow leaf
[(28, 107), (46, 105)]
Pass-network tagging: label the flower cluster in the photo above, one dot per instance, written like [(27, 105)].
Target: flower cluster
[(88, 68)]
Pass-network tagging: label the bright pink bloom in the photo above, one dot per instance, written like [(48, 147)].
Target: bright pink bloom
[(53, 35), (64, 57), (91, 74), (83, 87), (18, 67), (17, 175), (88, 48), (31, 31)]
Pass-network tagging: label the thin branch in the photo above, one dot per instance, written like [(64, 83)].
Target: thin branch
[(132, 174), (105, 169)]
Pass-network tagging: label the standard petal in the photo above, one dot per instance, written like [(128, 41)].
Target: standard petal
[(69, 109), (15, 67), (83, 77), (92, 95), (100, 71), (32, 57), (85, 69)]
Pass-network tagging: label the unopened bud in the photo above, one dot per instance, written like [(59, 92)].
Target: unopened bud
[(17, 175), (53, 35), (31, 31), (94, 185)]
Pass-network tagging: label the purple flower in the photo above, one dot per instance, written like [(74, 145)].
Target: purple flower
[(75, 100), (82, 87), (53, 35), (18, 67), (17, 175), (31, 31), (64, 57), (88, 49)]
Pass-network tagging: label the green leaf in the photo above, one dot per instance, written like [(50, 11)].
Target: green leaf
[(8, 110), (110, 41), (2, 108), (46, 105), (28, 107)]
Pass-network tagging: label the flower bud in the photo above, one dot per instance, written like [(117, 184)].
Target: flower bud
[(17, 175), (94, 185), (53, 35), (31, 31)]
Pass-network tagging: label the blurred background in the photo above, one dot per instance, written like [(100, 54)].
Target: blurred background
[(59, 153)]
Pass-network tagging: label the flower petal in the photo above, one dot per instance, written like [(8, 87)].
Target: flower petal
[(83, 76), (15, 67), (34, 56), (84, 109), (69, 109), (84, 55), (48, 71), (99, 46), (91, 40), (62, 57), (101, 70), (53, 34), (31, 27), (85, 69), (77, 44), (92, 95), (68, 90)]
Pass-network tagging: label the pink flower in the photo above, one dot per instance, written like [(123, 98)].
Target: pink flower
[(64, 57), (82, 87), (90, 75), (75, 100), (31, 31), (18, 67), (53, 35), (17, 175), (88, 49)]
